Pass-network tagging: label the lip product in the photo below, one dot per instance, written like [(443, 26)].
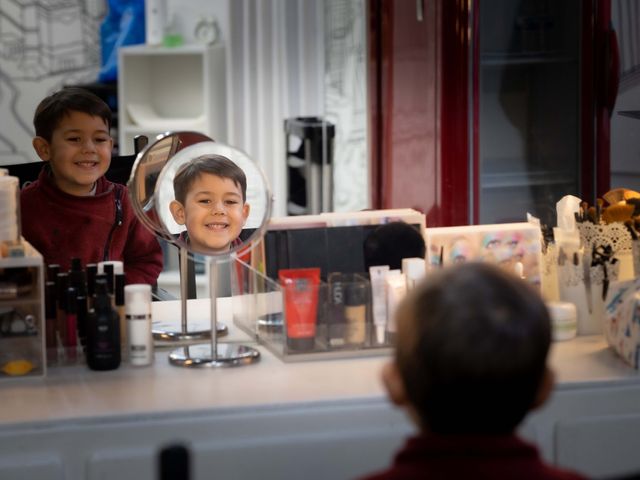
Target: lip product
[(300, 288), (138, 315), (379, 300), (396, 290), (355, 313), (71, 341), (414, 269), (52, 272), (103, 332), (61, 310), (50, 322), (82, 316), (78, 277), (119, 302)]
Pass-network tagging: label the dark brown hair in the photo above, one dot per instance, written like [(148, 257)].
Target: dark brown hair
[(213, 164), (471, 349), (70, 99)]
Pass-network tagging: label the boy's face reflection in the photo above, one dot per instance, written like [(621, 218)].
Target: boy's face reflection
[(214, 213)]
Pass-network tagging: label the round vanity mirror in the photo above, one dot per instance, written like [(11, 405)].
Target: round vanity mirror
[(213, 202)]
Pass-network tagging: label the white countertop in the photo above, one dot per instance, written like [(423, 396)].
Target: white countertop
[(77, 392)]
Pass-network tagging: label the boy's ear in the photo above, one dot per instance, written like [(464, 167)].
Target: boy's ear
[(42, 148), (394, 385), (177, 211), (545, 388), (246, 208)]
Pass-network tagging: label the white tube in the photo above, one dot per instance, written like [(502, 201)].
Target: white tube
[(396, 290), (138, 315), (414, 269), (379, 300)]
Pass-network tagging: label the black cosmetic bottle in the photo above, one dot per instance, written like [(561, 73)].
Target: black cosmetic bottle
[(103, 332)]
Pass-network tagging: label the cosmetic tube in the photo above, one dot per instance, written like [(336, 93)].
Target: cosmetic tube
[(119, 302), (61, 310), (82, 315), (414, 269), (71, 341), (138, 315), (300, 288), (336, 319), (103, 332), (355, 312), (379, 300), (396, 290), (50, 322), (52, 272), (78, 277)]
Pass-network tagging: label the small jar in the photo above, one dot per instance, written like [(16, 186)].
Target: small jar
[(564, 320)]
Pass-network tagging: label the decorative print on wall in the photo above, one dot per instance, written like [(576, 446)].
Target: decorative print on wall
[(44, 45), (346, 101)]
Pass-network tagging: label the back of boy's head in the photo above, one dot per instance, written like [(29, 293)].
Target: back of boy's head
[(217, 165), (53, 108), (471, 349), (389, 243)]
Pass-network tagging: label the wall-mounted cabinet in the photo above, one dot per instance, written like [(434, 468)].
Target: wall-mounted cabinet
[(164, 89)]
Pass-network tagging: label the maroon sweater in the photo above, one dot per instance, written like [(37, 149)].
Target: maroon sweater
[(61, 226), (477, 457)]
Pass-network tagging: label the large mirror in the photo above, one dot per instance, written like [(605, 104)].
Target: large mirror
[(211, 201)]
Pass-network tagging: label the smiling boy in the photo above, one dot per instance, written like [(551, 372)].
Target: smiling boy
[(72, 210), (210, 194)]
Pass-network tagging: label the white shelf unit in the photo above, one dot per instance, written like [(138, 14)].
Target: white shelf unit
[(164, 89)]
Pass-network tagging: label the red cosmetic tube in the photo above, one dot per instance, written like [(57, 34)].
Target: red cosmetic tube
[(301, 306)]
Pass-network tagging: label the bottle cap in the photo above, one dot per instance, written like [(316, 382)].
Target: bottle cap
[(137, 297), (119, 293), (414, 268), (76, 264)]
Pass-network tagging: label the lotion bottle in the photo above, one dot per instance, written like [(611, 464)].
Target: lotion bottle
[(138, 315), (103, 332)]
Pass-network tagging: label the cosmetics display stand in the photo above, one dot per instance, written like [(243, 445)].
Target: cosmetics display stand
[(335, 329), (214, 354)]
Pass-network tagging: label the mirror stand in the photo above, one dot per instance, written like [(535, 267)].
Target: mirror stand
[(184, 335), (215, 354)]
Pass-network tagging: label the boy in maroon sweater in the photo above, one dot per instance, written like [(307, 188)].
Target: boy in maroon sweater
[(470, 362), (71, 210)]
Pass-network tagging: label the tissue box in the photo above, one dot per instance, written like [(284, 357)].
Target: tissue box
[(622, 320)]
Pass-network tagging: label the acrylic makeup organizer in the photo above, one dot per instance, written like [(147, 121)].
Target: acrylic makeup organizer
[(259, 306), (22, 316)]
